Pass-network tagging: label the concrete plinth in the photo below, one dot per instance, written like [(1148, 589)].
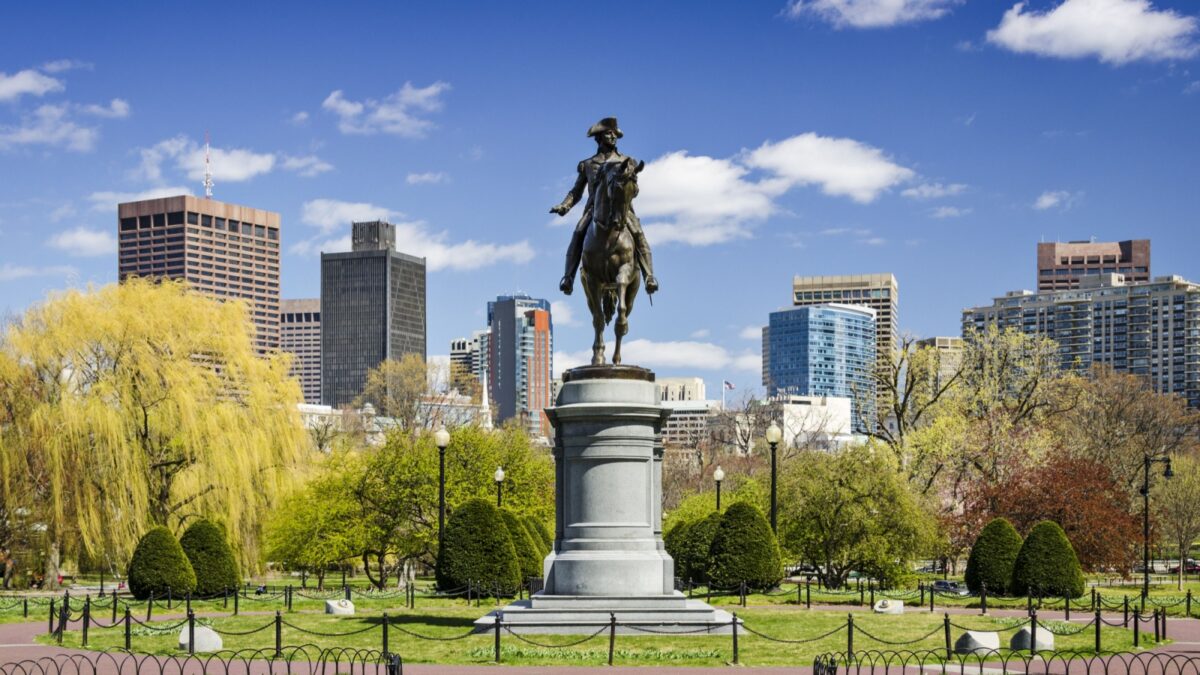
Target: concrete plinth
[(608, 555)]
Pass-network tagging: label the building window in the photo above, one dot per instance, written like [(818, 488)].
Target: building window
[(128, 224), (206, 221), (175, 218), (193, 218)]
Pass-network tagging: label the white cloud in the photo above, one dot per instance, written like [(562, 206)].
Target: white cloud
[(689, 354), (1192, 88), (934, 190), (562, 314), (49, 125), (949, 212), (751, 333), (1056, 199), (9, 272), (838, 231), (399, 114), (427, 178), (299, 119), (307, 166), (842, 167), (31, 82), (116, 109), (1114, 31), (62, 65), (870, 13), (107, 200), (64, 211), (412, 237), (228, 165), (84, 242), (873, 241), (700, 334)]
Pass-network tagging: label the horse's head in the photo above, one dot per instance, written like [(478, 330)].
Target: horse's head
[(620, 187)]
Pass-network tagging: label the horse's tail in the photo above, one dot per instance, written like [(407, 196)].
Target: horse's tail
[(609, 302)]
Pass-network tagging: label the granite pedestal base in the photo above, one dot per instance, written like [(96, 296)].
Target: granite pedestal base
[(608, 557)]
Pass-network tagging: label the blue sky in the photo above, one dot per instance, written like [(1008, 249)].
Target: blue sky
[(936, 139)]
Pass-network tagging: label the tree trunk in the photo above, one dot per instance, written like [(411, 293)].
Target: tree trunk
[(51, 579)]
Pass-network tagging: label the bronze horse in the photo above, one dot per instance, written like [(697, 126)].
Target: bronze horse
[(609, 271)]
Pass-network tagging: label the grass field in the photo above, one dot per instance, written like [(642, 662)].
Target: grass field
[(786, 623)]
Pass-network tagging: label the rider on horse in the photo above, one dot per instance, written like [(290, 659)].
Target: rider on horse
[(591, 172)]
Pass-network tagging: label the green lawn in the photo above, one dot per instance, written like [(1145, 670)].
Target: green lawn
[(789, 623)]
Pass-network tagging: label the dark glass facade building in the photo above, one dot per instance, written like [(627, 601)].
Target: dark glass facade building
[(521, 360), (824, 350), (372, 309)]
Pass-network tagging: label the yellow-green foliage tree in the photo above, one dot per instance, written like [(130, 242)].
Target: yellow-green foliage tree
[(144, 404)]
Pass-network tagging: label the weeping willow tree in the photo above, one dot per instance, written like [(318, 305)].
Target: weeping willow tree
[(144, 404)]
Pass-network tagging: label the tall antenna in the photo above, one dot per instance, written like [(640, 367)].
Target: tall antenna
[(208, 181)]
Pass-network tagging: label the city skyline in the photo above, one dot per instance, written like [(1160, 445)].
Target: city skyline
[(954, 158)]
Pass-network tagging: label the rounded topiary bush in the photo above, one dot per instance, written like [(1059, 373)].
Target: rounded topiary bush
[(159, 566), (538, 545), (212, 560), (543, 534), (693, 563), (992, 557), (529, 558), (745, 549), (476, 548), (1046, 564), (672, 542)]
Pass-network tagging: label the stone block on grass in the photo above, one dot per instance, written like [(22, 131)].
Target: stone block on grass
[(977, 642), (339, 607)]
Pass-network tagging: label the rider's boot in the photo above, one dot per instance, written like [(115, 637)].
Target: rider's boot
[(645, 261), (574, 250)]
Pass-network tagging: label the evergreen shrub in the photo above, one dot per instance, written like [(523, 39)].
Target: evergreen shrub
[(159, 566)]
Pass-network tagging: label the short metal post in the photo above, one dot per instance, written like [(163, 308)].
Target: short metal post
[(1157, 631), (114, 606), (1067, 606), (861, 597), (25, 607), (50, 628), (1029, 603), (872, 595), (1189, 603), (733, 624), (808, 593), (346, 591), (742, 588), (921, 588), (1033, 633), (87, 618), (612, 635), (946, 630), (499, 620), (1098, 621), (236, 595), (1126, 619), (189, 602), (191, 619), (1136, 628), (278, 634), (64, 615), (385, 633), (849, 636), (931, 594), (169, 597), (128, 628), (983, 599)]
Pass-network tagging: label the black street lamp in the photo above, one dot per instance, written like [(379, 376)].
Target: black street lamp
[(442, 438), (1167, 473), (718, 476), (774, 435), (499, 478)]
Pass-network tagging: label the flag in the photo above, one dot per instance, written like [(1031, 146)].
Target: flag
[(728, 384)]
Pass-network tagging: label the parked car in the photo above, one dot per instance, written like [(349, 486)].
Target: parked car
[(950, 587), (1190, 567)]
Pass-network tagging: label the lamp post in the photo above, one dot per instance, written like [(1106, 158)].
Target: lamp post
[(718, 476), (442, 438), (1167, 473), (774, 435), (499, 478)]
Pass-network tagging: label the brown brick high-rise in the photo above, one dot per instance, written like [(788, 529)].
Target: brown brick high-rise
[(223, 250), (1060, 265)]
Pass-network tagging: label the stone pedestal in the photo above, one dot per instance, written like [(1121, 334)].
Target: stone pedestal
[(608, 555)]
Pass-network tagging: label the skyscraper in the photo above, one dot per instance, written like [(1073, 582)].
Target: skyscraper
[(521, 360), (372, 310), (1061, 266), (223, 250), (1150, 328), (300, 335), (880, 292), (824, 350)]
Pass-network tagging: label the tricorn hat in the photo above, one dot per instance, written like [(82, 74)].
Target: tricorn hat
[(606, 124)]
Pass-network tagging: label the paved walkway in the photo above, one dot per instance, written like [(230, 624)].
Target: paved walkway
[(17, 644)]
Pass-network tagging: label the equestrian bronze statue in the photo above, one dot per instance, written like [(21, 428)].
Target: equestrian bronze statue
[(608, 240)]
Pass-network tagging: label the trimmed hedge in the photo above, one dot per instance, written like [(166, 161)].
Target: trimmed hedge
[(477, 548), (745, 549), (543, 534), (672, 541), (531, 530), (528, 556), (992, 557), (159, 565), (1046, 565), (212, 560), (693, 563)]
